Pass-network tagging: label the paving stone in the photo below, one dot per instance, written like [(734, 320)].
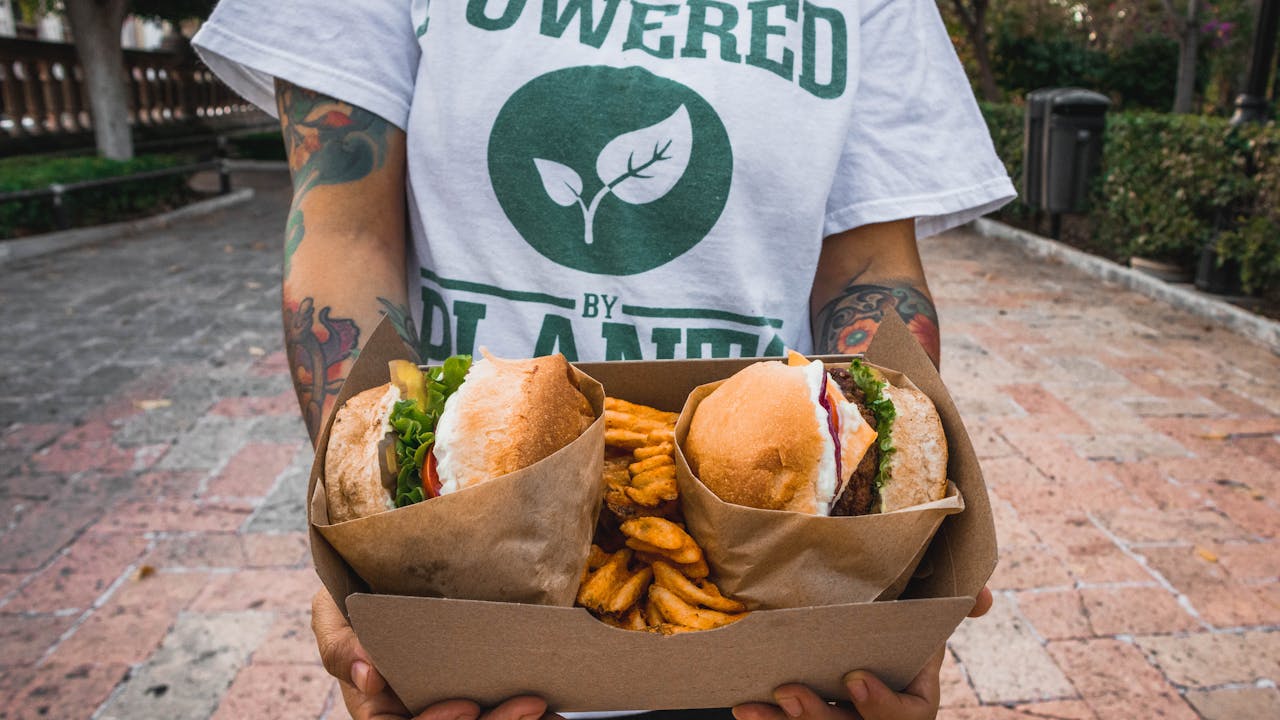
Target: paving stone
[(1164, 526), (955, 690), (208, 444), (1029, 567), (1090, 555), (147, 515), (1135, 610), (42, 528), (1250, 561), (281, 429), (1165, 706), (9, 581), (1005, 661), (1247, 507), (133, 620), (277, 549), (1011, 529), (12, 681), (65, 691), (1233, 703), (1057, 710), (286, 404), (280, 692), (1056, 614), (1233, 604), (259, 590), (285, 509), (198, 551), (1154, 489), (1208, 659), (290, 640), (1102, 666), (82, 575), (26, 636), (191, 671), (252, 471)]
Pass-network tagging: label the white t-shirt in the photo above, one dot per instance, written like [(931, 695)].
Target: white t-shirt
[(634, 180)]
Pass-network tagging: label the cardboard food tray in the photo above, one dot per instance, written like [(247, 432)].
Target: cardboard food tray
[(431, 649)]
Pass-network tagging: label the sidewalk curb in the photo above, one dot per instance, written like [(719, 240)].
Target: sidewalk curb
[(1228, 316), (38, 245)]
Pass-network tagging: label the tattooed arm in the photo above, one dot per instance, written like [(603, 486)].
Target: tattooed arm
[(863, 274), (344, 249)]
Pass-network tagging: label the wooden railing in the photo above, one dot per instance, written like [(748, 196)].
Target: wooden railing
[(43, 92)]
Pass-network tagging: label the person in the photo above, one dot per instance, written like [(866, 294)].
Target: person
[(612, 181)]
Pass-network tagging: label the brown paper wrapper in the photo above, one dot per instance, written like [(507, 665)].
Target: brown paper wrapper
[(521, 538), (774, 559)]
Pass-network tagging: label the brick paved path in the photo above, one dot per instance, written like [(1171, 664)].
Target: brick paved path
[(153, 560)]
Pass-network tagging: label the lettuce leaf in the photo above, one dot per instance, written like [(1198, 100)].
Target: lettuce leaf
[(414, 426), (872, 386)]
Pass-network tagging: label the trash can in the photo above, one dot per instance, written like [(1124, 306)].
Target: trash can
[(1062, 147)]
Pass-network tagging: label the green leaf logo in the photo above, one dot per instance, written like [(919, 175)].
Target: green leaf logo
[(657, 189), (644, 165)]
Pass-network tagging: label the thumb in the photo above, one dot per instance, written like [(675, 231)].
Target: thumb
[(876, 701), (340, 650)]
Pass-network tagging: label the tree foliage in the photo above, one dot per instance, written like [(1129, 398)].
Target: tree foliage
[(1125, 48)]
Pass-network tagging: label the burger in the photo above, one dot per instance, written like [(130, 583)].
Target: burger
[(797, 436), (427, 434)]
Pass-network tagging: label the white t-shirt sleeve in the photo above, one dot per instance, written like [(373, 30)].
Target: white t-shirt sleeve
[(918, 145), (364, 53)]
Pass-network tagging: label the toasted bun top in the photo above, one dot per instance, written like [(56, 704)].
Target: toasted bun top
[(918, 469), (756, 441), (508, 415), (352, 472)]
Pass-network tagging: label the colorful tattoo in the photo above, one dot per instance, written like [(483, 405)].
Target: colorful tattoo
[(847, 323), (403, 321), (316, 353), (328, 142)]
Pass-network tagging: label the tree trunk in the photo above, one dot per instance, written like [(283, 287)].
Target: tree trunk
[(975, 25), (95, 25), (986, 77), (1189, 46)]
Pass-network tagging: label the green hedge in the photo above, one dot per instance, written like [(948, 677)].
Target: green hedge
[(92, 206), (257, 146), (1173, 183)]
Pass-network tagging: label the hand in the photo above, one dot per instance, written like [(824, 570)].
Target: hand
[(872, 699), (367, 695)]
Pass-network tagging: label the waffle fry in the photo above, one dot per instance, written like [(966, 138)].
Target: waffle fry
[(658, 578)]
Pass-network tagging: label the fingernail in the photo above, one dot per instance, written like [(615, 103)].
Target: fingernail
[(858, 689), (360, 676), (790, 706)]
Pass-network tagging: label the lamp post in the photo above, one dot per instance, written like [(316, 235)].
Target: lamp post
[(1251, 106)]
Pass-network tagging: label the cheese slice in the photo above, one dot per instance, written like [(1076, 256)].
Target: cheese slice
[(855, 435)]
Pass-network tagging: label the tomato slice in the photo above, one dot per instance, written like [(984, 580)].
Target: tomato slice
[(430, 477)]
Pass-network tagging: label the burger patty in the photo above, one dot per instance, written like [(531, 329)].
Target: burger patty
[(860, 493)]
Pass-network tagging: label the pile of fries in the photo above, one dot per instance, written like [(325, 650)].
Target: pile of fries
[(645, 572)]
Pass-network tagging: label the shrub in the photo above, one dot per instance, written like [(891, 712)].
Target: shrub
[(1253, 239), (1172, 184), (1141, 74), (90, 206), (1169, 183), (257, 146), (1006, 125)]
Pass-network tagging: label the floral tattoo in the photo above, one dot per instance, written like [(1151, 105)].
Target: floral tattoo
[(847, 323), (317, 345), (328, 142)]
